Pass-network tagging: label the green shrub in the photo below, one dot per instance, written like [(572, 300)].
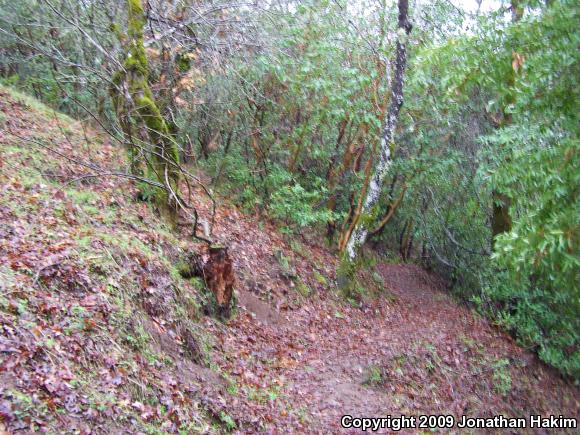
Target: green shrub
[(293, 204), (537, 295)]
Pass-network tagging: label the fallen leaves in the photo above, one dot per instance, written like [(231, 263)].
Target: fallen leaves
[(90, 338)]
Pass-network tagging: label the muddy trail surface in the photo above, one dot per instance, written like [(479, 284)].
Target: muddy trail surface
[(301, 363), (414, 353)]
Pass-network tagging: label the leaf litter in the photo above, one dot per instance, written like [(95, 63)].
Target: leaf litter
[(98, 334)]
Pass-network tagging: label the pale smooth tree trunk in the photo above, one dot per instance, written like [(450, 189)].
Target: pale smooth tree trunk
[(359, 235)]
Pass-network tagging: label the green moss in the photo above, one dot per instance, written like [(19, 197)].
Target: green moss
[(136, 59), (151, 115), (136, 75), (136, 62), (378, 279), (502, 380), (8, 278), (135, 335), (159, 133), (136, 16), (303, 289), (374, 376), (126, 243), (183, 63), (37, 106), (116, 30), (345, 275), (349, 279), (319, 278), (197, 283), (82, 197)]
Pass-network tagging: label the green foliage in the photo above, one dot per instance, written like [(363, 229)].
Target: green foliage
[(297, 107), (295, 204), (355, 279), (60, 80), (489, 110), (228, 421), (374, 376), (500, 116), (288, 202), (303, 288), (320, 278), (346, 274), (538, 295), (502, 380)]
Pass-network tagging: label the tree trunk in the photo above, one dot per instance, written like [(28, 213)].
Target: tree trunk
[(390, 213), (220, 279), (134, 104), (359, 235), (501, 221)]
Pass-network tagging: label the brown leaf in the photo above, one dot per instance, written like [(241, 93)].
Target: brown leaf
[(517, 61)]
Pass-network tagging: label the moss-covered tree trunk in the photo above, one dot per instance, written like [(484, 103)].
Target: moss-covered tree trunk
[(136, 108)]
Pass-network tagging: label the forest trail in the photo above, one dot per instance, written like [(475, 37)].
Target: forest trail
[(415, 353), (414, 350), (97, 330)]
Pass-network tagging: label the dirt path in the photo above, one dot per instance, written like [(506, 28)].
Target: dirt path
[(415, 352), (302, 364)]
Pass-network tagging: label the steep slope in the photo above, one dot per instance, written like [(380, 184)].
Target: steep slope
[(99, 333), (98, 329)]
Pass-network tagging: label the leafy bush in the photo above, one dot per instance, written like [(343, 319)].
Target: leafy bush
[(538, 294), (294, 204)]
